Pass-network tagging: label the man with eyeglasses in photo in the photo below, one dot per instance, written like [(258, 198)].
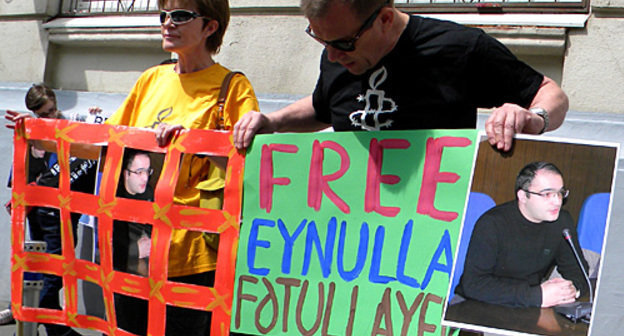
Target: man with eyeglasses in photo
[(515, 245), (132, 241), (383, 69)]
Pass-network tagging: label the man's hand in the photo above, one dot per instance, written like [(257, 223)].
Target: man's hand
[(505, 122), (165, 132), (510, 119), (248, 126), (557, 291), (296, 117), (14, 118)]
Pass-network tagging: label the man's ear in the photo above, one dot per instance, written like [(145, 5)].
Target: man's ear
[(521, 195), (387, 17)]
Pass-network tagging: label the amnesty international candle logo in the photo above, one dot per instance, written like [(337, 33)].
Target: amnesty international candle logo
[(378, 108)]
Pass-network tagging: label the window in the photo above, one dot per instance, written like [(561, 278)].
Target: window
[(78, 7), (494, 6)]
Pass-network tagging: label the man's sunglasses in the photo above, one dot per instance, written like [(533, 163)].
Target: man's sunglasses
[(347, 44), (178, 16)]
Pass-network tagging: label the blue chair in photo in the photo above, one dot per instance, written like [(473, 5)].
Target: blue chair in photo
[(592, 222), (478, 204)]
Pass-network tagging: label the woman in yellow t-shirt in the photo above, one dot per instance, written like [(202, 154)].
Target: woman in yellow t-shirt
[(183, 95)]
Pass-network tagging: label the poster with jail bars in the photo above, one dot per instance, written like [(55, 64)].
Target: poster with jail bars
[(108, 143)]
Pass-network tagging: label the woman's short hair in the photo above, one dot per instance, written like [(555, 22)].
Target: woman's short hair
[(38, 95), (218, 10)]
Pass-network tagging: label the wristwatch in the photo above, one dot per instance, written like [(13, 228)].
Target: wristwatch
[(542, 113)]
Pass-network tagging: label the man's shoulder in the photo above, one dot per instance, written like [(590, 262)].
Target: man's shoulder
[(436, 38), (431, 28), (498, 212), (503, 207)]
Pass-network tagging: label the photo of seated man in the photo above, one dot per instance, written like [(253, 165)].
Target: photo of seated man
[(515, 245), (132, 241)]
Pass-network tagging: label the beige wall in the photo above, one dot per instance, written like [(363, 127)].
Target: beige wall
[(97, 68), (24, 42), (28, 7), (22, 59), (593, 73), (274, 53)]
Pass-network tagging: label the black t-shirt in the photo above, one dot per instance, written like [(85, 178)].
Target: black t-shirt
[(436, 76)]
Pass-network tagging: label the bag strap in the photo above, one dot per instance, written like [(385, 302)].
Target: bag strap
[(223, 96)]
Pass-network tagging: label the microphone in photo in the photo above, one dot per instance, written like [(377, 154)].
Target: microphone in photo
[(576, 310), (568, 237)]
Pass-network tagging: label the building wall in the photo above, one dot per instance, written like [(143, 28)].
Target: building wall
[(266, 42), (98, 68), (593, 74), (23, 35), (273, 51)]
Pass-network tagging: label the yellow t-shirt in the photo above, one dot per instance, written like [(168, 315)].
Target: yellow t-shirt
[(161, 95)]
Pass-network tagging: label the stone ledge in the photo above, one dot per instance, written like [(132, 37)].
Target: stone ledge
[(535, 41), (607, 11), (143, 30), (109, 37)]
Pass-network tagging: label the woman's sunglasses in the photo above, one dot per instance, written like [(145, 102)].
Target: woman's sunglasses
[(178, 16)]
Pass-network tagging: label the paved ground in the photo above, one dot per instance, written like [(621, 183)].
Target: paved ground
[(10, 329)]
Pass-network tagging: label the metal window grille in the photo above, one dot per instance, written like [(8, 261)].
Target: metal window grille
[(90, 7), (533, 6), (78, 7), (480, 1)]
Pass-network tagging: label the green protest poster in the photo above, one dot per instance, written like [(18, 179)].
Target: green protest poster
[(350, 233)]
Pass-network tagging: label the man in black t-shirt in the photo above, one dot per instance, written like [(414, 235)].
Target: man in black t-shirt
[(515, 245), (383, 69)]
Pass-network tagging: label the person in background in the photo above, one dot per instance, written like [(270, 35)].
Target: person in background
[(170, 97), (43, 169)]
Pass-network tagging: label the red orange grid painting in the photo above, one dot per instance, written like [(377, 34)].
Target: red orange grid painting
[(163, 214)]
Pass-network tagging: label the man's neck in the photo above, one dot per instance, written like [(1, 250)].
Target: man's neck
[(525, 214), (400, 23)]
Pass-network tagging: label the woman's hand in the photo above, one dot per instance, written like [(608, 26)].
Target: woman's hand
[(165, 132)]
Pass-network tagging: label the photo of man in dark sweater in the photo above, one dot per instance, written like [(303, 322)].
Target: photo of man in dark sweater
[(515, 245)]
